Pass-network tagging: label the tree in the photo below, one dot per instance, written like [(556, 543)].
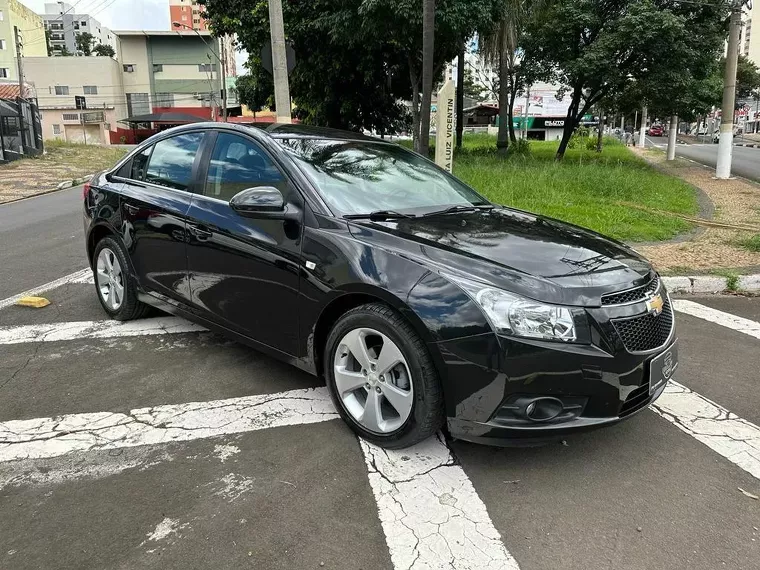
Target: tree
[(598, 49), (428, 42), (747, 76), (84, 43), (104, 50), (472, 88)]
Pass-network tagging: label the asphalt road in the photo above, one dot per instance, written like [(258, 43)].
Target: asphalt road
[(185, 450), (745, 160)]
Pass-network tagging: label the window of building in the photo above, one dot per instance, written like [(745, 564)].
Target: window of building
[(206, 67), (129, 67), (1, 16), (56, 129), (90, 89), (236, 164), (184, 8), (84, 23), (2, 44), (137, 104), (76, 25), (61, 89), (171, 163), (158, 67), (70, 117), (163, 100), (4, 72)]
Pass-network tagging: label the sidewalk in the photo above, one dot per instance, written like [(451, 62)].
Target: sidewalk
[(716, 247), (61, 163)]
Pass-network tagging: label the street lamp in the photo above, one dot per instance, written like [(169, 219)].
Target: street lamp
[(219, 59)]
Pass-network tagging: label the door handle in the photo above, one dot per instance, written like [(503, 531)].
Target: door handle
[(201, 234), (131, 210)]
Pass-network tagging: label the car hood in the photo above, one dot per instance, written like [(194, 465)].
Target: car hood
[(532, 255)]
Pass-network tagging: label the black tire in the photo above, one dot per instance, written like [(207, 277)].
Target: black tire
[(130, 307), (427, 414)]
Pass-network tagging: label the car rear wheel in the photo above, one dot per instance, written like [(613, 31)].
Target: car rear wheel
[(381, 377), (115, 286)]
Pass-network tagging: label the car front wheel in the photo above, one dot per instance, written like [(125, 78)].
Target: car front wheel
[(381, 377)]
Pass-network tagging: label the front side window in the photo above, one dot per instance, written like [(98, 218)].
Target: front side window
[(357, 177), (171, 163), (238, 163)]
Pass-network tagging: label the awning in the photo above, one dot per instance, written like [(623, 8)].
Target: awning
[(165, 118)]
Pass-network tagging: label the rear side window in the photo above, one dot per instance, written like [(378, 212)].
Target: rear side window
[(171, 163), (238, 163)]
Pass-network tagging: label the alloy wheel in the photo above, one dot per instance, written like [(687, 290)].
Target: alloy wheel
[(110, 279), (372, 380)]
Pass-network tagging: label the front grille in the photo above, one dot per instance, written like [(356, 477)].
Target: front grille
[(646, 332), (632, 295)]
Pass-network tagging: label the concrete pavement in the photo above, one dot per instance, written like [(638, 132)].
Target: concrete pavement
[(186, 450)]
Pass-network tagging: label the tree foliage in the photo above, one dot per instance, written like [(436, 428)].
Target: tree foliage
[(104, 50), (355, 59), (256, 89), (84, 43), (601, 49)]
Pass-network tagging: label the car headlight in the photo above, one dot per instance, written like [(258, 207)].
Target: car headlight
[(513, 314)]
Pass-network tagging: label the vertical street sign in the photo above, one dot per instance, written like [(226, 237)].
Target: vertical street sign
[(444, 131)]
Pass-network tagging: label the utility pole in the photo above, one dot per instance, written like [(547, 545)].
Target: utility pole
[(224, 79), (643, 131), (20, 64), (279, 62), (525, 113), (460, 97), (726, 139), (672, 133)]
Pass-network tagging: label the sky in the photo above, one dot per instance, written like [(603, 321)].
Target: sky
[(124, 15)]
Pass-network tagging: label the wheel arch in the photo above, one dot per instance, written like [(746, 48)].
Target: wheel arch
[(97, 233), (361, 295)]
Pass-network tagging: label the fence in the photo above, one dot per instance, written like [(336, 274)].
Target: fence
[(20, 130)]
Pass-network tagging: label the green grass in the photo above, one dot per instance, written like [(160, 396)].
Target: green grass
[(585, 188), (750, 243)]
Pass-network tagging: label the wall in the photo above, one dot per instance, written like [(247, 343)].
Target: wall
[(32, 32), (133, 50), (103, 73)]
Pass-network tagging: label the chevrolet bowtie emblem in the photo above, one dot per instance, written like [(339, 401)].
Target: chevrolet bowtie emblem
[(654, 305)]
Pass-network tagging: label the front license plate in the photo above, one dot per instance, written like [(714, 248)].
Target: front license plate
[(662, 367)]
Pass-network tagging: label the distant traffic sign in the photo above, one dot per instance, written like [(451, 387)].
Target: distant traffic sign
[(266, 56)]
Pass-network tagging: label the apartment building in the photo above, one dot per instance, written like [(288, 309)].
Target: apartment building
[(175, 71), (188, 13), (64, 26), (15, 16), (81, 99)]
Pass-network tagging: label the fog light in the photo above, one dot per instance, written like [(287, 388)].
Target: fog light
[(543, 409)]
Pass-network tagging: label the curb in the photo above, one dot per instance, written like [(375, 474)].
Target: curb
[(75, 182), (711, 284), (750, 145)]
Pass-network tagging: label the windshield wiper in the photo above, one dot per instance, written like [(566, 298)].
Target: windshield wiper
[(379, 216), (459, 208)]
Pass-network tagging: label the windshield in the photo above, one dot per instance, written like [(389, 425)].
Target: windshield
[(362, 177)]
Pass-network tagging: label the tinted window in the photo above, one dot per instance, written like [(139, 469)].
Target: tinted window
[(359, 177), (238, 163), (171, 163)]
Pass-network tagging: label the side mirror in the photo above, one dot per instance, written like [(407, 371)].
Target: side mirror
[(261, 202)]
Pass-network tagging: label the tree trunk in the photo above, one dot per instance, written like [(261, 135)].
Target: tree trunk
[(460, 96), (600, 129), (416, 116), (428, 43), (502, 140), (511, 113), (571, 122)]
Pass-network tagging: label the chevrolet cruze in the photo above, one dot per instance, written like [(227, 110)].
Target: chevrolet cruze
[(420, 303)]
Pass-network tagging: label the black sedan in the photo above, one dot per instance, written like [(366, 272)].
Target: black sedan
[(418, 301)]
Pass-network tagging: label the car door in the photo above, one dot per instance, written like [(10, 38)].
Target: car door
[(156, 196), (244, 270)]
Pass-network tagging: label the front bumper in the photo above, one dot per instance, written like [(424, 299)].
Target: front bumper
[(486, 374)]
